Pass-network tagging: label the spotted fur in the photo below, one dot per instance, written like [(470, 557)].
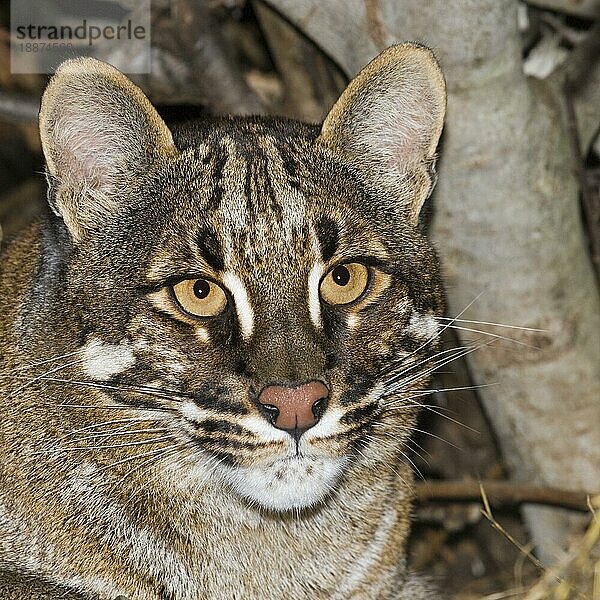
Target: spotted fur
[(135, 458)]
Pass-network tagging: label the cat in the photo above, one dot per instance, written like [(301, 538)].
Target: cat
[(212, 344)]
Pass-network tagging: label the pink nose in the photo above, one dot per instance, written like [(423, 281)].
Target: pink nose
[(295, 409)]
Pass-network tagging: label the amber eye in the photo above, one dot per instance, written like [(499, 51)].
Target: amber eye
[(344, 283), (200, 297)]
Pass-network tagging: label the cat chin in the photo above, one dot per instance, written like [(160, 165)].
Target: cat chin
[(289, 484)]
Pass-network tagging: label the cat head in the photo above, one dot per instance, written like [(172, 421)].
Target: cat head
[(260, 284)]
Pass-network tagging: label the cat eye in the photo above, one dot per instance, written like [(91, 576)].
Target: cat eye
[(344, 283), (200, 297)]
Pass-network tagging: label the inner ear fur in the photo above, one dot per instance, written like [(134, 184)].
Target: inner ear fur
[(96, 127), (388, 122)]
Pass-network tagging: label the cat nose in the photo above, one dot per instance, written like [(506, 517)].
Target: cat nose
[(294, 409)]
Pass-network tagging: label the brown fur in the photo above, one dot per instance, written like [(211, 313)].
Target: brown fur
[(135, 459)]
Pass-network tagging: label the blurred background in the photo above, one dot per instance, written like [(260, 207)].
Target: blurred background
[(508, 451)]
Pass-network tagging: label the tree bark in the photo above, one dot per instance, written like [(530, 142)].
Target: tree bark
[(507, 225)]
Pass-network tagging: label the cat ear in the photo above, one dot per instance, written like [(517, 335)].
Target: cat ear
[(98, 130), (387, 124)]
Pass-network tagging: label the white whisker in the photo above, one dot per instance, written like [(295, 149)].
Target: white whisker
[(121, 433), (494, 335), (494, 324), (406, 382), (127, 445), (437, 390), (42, 376), (33, 365)]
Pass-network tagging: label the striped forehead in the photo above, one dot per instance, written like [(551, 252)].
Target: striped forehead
[(262, 212), (249, 206)]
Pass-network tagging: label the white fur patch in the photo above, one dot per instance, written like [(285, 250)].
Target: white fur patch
[(79, 483), (326, 427), (265, 430), (423, 326), (101, 361), (202, 334), (142, 344), (314, 302), (287, 484), (192, 412), (242, 303), (352, 321)]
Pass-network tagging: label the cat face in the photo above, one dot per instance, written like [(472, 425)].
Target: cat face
[(261, 280)]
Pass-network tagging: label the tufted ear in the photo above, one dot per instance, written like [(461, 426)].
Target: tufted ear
[(387, 124), (98, 130)]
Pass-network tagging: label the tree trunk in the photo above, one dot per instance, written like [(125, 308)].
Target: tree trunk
[(507, 225)]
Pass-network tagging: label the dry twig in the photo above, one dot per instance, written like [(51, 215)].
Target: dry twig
[(586, 9), (501, 493)]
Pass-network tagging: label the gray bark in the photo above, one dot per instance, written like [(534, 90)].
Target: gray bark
[(507, 226)]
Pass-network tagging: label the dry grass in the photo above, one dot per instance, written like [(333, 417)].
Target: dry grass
[(575, 577)]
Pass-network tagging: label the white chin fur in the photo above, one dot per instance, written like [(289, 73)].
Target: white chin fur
[(287, 484)]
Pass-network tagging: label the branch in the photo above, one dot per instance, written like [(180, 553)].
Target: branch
[(587, 9), (501, 493)]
